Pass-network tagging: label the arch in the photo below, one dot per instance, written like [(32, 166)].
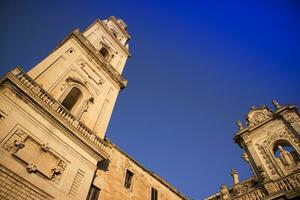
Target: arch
[(72, 99)]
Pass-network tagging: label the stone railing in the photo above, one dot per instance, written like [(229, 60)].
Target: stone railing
[(289, 183), (58, 108), (253, 195)]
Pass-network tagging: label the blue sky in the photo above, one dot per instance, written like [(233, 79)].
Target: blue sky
[(196, 68)]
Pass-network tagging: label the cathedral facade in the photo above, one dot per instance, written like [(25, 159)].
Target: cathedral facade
[(53, 121)]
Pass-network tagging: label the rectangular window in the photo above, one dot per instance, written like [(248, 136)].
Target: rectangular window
[(128, 179), (94, 193), (154, 195)]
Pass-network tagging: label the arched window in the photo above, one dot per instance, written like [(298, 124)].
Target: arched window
[(73, 98), (104, 52)]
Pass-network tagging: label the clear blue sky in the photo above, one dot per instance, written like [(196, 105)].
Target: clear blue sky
[(196, 67)]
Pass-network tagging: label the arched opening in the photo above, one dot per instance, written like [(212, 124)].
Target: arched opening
[(73, 98), (285, 153), (104, 52)]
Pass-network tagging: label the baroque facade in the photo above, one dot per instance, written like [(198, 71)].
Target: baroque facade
[(53, 121), (271, 144)]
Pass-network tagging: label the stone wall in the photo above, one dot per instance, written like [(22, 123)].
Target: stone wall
[(111, 176)]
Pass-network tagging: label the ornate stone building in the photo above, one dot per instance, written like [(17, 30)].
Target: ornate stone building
[(271, 141), (53, 121)]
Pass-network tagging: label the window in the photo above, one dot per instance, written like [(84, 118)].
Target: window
[(104, 52), (128, 179), (73, 98), (93, 193), (154, 195)]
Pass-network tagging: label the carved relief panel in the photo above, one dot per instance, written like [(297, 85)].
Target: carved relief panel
[(36, 156)]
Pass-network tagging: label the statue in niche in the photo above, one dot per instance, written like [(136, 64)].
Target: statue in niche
[(285, 157)]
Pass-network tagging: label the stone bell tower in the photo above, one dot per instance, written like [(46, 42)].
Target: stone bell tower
[(271, 141), (53, 119), (84, 71)]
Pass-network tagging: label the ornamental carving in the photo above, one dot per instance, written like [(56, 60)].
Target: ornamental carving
[(37, 157), (258, 115)]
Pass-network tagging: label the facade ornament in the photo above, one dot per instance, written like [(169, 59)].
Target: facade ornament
[(31, 168), (246, 157), (240, 125), (262, 173), (235, 176), (224, 192), (19, 144), (285, 157), (45, 147), (276, 104)]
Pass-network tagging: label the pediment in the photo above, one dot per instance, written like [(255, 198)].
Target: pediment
[(258, 115)]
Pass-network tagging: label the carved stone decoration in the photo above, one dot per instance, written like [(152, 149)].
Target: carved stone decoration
[(224, 192), (235, 176), (267, 159), (31, 167), (90, 72), (276, 104), (16, 141), (240, 125), (271, 187), (38, 158), (258, 115), (262, 173)]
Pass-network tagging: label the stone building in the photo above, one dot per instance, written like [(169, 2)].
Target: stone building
[(53, 121), (271, 144)]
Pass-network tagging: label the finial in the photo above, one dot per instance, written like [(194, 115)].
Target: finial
[(240, 125), (276, 104)]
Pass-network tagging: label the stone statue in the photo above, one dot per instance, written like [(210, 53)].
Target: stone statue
[(246, 157), (276, 104), (224, 192), (285, 157), (235, 176), (240, 125)]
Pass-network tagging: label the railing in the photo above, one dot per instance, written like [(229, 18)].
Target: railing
[(289, 183), (58, 108)]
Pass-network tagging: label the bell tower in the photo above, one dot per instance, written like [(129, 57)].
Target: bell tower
[(84, 72), (271, 140)]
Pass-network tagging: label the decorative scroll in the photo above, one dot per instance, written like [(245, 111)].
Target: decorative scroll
[(36, 156), (258, 115)]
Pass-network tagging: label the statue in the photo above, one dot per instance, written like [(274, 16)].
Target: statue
[(240, 125), (246, 157), (224, 192), (235, 176), (276, 104), (285, 157)]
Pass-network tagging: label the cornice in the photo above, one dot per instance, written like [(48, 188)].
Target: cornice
[(39, 98), (92, 51)]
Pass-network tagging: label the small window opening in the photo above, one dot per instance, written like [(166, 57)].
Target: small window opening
[(128, 179), (93, 193), (73, 97), (104, 52), (154, 194)]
